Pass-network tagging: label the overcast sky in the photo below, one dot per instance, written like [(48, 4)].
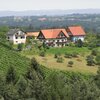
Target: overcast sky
[(20, 5)]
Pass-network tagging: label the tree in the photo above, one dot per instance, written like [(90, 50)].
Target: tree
[(97, 59), (21, 86), (34, 64), (79, 43), (94, 52), (20, 47), (11, 75), (90, 60)]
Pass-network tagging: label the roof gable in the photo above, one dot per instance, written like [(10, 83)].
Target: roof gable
[(32, 34), (53, 33), (14, 31), (76, 30)]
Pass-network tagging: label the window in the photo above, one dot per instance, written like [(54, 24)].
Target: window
[(22, 37), (57, 40), (8, 37)]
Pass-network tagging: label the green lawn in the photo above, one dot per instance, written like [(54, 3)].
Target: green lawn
[(67, 49), (80, 64)]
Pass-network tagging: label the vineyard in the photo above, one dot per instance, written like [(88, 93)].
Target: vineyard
[(9, 57)]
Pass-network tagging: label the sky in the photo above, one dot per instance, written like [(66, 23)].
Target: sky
[(21, 5)]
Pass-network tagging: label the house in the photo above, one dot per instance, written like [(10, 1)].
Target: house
[(32, 34), (54, 37), (16, 36), (76, 33)]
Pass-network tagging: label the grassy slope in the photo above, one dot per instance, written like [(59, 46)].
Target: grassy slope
[(67, 49), (79, 66), (9, 57)]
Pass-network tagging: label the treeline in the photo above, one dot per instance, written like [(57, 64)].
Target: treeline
[(91, 22), (42, 84)]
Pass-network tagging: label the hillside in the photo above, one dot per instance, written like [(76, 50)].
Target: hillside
[(9, 58)]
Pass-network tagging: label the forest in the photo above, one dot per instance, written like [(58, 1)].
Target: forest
[(90, 22)]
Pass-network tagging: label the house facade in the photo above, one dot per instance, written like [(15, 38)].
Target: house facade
[(16, 36), (76, 33), (54, 37)]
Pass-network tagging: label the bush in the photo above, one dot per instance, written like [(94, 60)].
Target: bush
[(90, 60), (74, 54), (79, 43), (20, 46), (97, 59), (71, 44), (42, 54), (68, 55), (59, 59), (94, 52), (70, 63), (57, 55)]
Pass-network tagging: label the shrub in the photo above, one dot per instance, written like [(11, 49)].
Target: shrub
[(97, 59), (57, 55), (68, 55), (79, 43), (71, 44), (60, 59), (94, 52), (70, 63), (20, 47), (90, 60), (42, 54), (74, 54)]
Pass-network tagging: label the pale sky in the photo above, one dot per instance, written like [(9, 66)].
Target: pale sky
[(20, 5)]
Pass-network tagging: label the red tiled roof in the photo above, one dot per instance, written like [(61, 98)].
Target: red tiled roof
[(76, 30), (53, 33), (32, 34)]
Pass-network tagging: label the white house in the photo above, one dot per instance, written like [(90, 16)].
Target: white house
[(76, 33), (16, 36)]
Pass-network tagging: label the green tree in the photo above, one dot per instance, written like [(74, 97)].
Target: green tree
[(11, 75), (90, 60), (20, 47), (97, 59), (79, 43)]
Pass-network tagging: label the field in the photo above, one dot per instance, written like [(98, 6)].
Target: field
[(79, 65), (9, 57)]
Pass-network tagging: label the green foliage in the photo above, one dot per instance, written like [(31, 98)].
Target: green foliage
[(42, 54), (11, 75), (70, 63), (74, 54), (90, 60), (60, 60), (68, 55), (57, 55), (97, 59), (94, 52), (9, 57), (34, 64), (20, 46), (79, 43)]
